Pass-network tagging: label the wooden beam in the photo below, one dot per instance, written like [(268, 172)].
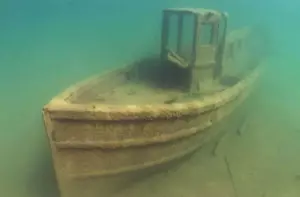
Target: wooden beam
[(164, 34), (221, 49), (196, 39), (179, 35), (194, 71)]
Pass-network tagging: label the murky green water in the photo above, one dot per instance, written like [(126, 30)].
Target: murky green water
[(46, 46)]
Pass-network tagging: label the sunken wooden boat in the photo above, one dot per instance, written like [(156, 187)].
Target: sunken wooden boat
[(156, 109)]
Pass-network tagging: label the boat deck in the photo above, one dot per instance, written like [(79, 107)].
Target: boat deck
[(155, 84), (133, 93), (138, 93)]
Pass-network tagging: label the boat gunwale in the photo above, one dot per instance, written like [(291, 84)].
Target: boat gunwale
[(60, 108)]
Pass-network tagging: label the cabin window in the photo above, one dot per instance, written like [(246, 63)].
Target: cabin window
[(172, 37), (180, 36), (187, 36), (205, 34)]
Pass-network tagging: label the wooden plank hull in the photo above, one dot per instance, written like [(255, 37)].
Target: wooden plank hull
[(91, 140), (88, 149), (94, 146)]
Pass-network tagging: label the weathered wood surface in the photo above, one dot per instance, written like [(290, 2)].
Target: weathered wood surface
[(94, 140), (89, 143)]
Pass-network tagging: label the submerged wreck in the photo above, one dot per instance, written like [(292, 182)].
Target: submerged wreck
[(157, 109)]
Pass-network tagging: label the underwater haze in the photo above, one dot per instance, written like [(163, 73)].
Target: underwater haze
[(46, 46)]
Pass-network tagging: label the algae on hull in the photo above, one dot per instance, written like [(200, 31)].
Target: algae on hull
[(128, 119)]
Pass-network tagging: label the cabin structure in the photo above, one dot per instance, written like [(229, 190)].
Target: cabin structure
[(203, 60)]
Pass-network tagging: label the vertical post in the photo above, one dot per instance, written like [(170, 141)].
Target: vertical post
[(221, 47), (179, 35), (164, 34), (214, 42), (196, 39), (194, 71)]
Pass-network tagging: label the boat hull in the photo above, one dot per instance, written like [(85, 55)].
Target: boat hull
[(94, 146), (91, 140)]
